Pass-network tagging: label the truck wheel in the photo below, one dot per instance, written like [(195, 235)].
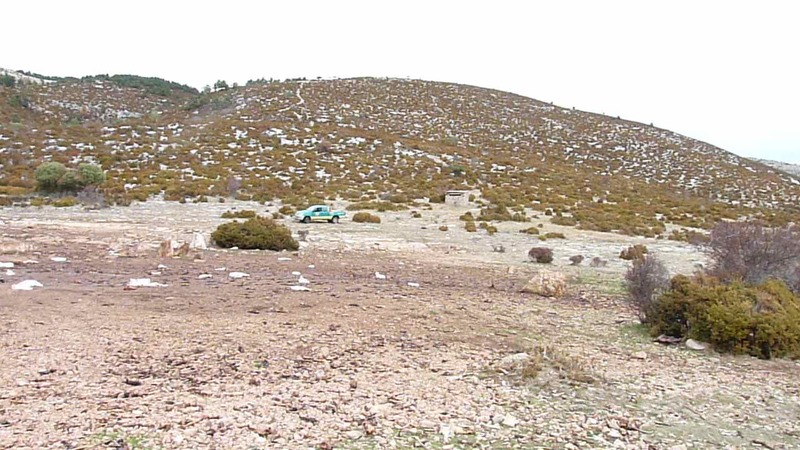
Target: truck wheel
[(306, 219), (335, 219)]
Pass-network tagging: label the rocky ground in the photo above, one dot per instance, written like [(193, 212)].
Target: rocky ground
[(429, 356)]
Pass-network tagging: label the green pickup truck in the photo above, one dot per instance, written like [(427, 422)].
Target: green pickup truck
[(317, 213)]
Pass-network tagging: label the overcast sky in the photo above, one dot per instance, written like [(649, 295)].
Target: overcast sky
[(723, 72)]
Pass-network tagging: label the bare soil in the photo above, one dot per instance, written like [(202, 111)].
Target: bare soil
[(357, 362)]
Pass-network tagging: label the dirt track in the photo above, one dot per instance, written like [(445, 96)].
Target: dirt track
[(357, 362)]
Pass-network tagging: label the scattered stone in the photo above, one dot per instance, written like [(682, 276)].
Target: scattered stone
[(696, 345), (6, 265), (514, 361), (198, 242), (379, 276), (510, 421), (354, 435), (547, 284), (143, 282), (667, 340), (182, 251), (412, 284), (639, 355), (204, 276), (26, 285), (58, 259), (165, 250), (299, 288), (238, 275)]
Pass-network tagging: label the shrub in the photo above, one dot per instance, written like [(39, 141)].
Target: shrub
[(65, 202), (242, 214), (286, 210), (564, 221), (48, 174), (644, 281), (633, 252), (753, 253), (551, 235), (90, 175), (259, 233), (530, 230), (467, 217), (378, 206), (365, 217), (576, 260), (598, 262), (470, 227), (500, 213), (541, 255), (416, 215), (761, 320)]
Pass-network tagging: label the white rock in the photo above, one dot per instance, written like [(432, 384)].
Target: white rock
[(204, 276), (283, 258), (639, 355), (6, 265), (10, 273), (155, 272), (696, 345), (59, 259), (221, 269), (379, 276), (144, 282), (161, 267), (303, 280), (296, 273), (311, 266), (237, 275), (412, 284), (198, 242), (514, 360), (299, 288), (26, 285), (547, 283), (354, 435), (510, 421)]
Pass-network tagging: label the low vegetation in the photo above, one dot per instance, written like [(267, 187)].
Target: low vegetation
[(747, 302), (541, 255), (365, 217), (257, 233), (634, 252), (240, 214)]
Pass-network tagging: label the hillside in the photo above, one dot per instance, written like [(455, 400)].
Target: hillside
[(366, 139), (791, 169)]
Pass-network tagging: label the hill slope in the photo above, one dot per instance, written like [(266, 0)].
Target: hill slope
[(361, 139)]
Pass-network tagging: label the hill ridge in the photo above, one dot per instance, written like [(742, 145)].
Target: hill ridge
[(367, 138)]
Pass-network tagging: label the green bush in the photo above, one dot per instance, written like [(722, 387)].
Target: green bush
[(552, 235), (470, 227), (365, 217), (286, 210), (541, 255), (90, 175), (243, 214), (762, 320), (530, 230), (48, 174), (65, 202), (633, 252), (500, 213), (467, 217), (260, 233)]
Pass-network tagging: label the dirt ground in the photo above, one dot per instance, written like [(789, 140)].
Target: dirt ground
[(360, 361)]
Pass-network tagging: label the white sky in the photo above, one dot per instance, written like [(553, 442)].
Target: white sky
[(723, 72)]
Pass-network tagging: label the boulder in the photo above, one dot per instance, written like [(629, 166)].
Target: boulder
[(696, 345), (166, 250), (547, 284), (198, 242), (182, 251)]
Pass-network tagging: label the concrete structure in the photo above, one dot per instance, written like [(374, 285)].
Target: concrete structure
[(458, 198)]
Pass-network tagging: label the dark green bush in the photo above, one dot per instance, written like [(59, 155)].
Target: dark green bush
[(552, 235), (259, 233), (530, 230), (365, 217), (242, 214), (48, 174), (467, 217), (541, 255), (564, 221), (762, 320)]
